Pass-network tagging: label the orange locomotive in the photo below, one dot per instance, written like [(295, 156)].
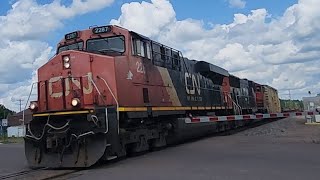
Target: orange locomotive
[(109, 92)]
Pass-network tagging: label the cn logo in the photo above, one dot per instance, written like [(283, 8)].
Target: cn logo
[(58, 94), (192, 83)]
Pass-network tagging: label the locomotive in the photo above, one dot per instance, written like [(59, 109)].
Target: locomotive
[(109, 92)]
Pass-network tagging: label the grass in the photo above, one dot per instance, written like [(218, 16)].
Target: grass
[(7, 140)]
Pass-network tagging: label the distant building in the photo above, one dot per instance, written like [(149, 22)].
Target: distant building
[(311, 103), (17, 119), (16, 131)]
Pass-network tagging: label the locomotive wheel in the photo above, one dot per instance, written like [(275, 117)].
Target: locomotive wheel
[(141, 146), (159, 142), (138, 147)]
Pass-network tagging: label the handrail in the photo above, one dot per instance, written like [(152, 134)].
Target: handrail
[(27, 102), (95, 86), (114, 97), (235, 105)]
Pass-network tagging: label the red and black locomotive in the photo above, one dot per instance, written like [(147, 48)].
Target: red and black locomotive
[(108, 92)]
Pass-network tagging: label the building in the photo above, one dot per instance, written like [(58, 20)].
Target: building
[(17, 119), (16, 126), (311, 103), (16, 131)]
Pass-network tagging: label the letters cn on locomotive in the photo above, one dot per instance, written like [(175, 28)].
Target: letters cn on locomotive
[(199, 84)]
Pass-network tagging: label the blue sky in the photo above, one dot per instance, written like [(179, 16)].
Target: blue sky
[(269, 41), (213, 11), (219, 11)]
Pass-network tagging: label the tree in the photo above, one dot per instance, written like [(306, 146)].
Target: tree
[(4, 112)]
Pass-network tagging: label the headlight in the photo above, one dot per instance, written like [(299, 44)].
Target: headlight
[(66, 59), (75, 102), (33, 106), (66, 65)]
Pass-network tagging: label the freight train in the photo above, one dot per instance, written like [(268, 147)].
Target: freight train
[(109, 92)]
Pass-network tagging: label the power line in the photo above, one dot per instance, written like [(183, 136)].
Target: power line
[(20, 103)]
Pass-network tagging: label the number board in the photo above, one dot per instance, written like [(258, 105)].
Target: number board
[(101, 29), (73, 35)]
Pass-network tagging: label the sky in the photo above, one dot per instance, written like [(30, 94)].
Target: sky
[(269, 41)]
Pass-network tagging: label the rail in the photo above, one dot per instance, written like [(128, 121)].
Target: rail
[(21, 173)]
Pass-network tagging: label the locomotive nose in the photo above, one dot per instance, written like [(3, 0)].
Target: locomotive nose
[(69, 81)]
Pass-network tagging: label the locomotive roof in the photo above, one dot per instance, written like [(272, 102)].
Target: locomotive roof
[(140, 35), (206, 66)]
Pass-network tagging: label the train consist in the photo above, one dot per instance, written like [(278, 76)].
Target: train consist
[(109, 92)]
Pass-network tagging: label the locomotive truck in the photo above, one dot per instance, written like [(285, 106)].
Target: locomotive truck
[(109, 92)]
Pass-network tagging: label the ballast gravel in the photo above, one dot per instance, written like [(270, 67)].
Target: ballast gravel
[(285, 131)]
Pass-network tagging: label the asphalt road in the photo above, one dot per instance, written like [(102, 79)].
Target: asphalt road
[(220, 158), (284, 150), (12, 158), (289, 154)]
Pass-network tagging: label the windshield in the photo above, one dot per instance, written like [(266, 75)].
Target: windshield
[(75, 46), (106, 45)]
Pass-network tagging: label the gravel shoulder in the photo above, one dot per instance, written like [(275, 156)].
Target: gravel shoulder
[(288, 130)]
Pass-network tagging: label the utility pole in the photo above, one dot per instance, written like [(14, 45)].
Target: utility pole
[(289, 94), (20, 103)]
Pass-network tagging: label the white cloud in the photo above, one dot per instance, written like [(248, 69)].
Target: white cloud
[(237, 3), (19, 58), (19, 91), (282, 52), (147, 17), (233, 56), (21, 48), (28, 20)]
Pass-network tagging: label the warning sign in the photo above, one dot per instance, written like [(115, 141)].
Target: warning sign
[(4, 122)]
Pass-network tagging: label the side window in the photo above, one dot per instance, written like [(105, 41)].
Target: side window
[(165, 56), (168, 58), (258, 89), (156, 54), (163, 53), (136, 47), (148, 50), (141, 48), (176, 60)]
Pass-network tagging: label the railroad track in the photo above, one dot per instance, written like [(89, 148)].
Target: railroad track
[(38, 174), (20, 173)]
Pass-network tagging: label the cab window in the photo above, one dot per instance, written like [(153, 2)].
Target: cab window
[(75, 46), (107, 45)]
